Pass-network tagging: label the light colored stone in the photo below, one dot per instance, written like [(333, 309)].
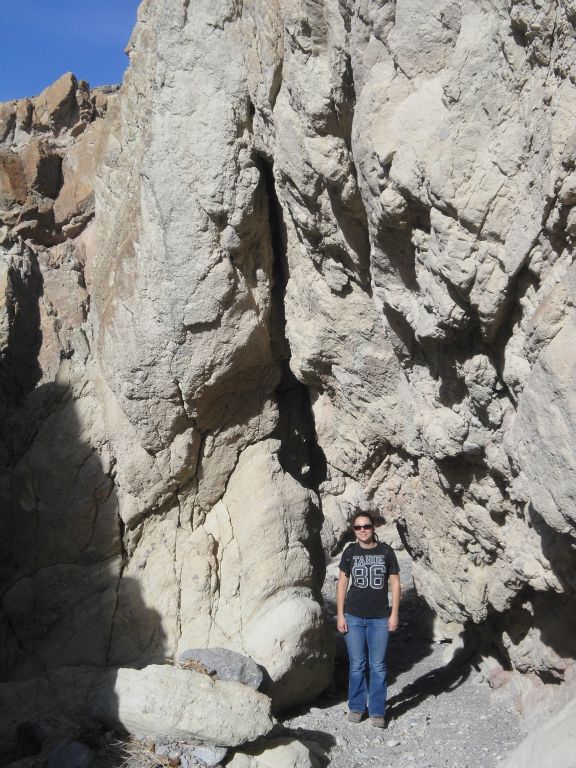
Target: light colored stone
[(210, 755), (162, 701), (265, 606), (277, 753)]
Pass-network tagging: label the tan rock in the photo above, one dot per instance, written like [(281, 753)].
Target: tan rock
[(42, 168), (55, 106), (76, 195), (282, 623), (7, 121)]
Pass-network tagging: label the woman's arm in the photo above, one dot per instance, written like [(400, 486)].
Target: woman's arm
[(396, 591), (341, 590)]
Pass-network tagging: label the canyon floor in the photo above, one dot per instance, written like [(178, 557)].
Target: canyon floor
[(439, 714)]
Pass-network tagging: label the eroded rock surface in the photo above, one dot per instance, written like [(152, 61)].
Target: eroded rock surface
[(331, 268)]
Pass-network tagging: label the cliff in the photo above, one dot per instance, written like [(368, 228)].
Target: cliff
[(327, 265)]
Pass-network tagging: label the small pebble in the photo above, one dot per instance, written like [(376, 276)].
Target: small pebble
[(392, 743)]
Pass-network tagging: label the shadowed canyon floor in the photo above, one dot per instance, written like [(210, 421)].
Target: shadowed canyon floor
[(440, 714)]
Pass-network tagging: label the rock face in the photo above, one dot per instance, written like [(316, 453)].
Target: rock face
[(331, 268), (60, 545)]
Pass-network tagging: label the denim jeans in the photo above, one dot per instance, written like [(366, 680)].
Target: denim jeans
[(367, 641)]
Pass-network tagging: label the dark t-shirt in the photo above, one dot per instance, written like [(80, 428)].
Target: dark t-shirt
[(368, 571)]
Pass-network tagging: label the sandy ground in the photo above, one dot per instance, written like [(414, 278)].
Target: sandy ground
[(440, 714)]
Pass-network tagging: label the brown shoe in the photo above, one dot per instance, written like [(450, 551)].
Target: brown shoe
[(378, 722), (355, 717)]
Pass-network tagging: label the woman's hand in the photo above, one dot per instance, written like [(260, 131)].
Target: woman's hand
[(342, 625), (393, 622)]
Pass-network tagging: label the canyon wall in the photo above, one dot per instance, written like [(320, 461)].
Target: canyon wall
[(327, 266)]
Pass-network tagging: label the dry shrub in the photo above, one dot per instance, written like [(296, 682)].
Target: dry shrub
[(196, 666), (137, 753)]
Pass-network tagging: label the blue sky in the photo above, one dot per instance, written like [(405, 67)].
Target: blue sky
[(43, 39)]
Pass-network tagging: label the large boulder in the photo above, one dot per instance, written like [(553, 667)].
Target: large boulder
[(161, 702), (167, 702)]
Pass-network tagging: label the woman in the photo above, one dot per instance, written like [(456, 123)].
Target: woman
[(365, 618)]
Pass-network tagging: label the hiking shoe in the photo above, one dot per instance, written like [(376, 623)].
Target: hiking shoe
[(355, 717), (378, 722)]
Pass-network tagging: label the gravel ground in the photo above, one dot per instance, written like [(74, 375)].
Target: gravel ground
[(439, 714)]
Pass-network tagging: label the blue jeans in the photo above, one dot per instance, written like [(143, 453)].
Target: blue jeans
[(367, 635)]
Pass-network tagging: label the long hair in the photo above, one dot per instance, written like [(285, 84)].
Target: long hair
[(369, 516)]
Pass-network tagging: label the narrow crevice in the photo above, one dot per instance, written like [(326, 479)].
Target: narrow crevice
[(124, 554), (280, 268), (20, 369), (300, 455)]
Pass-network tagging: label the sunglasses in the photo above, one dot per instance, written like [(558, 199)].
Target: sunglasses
[(367, 527)]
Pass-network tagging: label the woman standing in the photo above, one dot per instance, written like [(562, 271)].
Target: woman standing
[(365, 618)]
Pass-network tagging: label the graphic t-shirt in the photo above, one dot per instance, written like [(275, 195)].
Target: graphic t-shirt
[(368, 571)]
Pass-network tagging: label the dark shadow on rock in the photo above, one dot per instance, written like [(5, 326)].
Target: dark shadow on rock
[(300, 454), (549, 616), (19, 367), (412, 641), (62, 554)]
